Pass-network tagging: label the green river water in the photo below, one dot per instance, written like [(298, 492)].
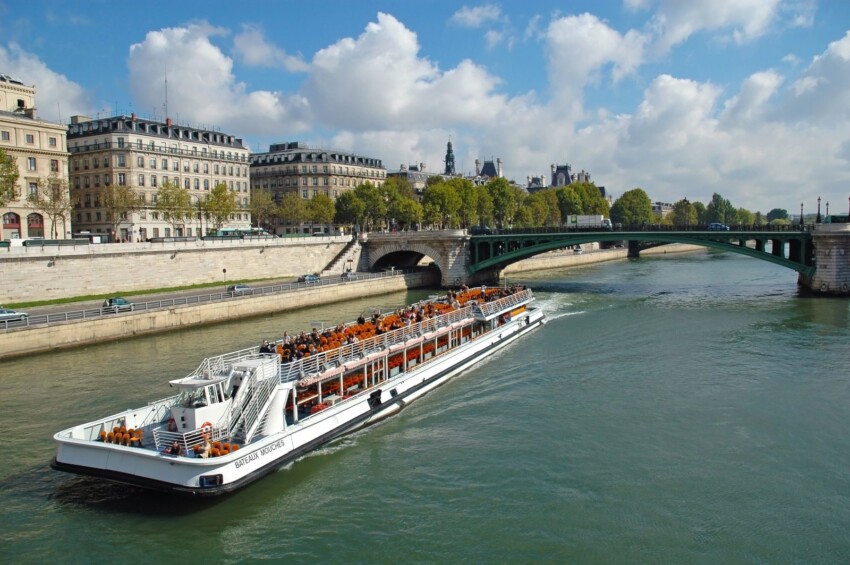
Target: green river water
[(686, 408)]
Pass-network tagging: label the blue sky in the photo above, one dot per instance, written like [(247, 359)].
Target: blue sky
[(746, 98)]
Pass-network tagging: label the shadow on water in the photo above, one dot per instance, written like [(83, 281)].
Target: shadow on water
[(100, 494)]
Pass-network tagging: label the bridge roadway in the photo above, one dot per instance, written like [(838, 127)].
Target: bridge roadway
[(820, 253)]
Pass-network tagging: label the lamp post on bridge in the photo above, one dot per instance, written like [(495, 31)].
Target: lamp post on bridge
[(827, 209), (817, 218), (801, 214)]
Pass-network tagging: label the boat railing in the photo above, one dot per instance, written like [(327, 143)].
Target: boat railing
[(248, 405), (517, 299), (220, 364), (316, 364), (187, 440)]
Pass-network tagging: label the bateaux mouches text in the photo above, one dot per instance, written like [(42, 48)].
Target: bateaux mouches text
[(260, 453)]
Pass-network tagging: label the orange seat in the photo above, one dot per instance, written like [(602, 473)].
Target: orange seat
[(234, 447), (103, 436)]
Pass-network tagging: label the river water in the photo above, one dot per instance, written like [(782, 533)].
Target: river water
[(687, 408)]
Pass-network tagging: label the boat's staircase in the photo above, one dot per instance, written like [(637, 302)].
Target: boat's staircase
[(351, 252), (250, 406)]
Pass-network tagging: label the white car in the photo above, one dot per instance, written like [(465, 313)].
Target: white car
[(9, 315)]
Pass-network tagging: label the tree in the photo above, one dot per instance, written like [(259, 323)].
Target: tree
[(505, 201), (441, 203), (569, 202), (720, 210), (702, 212), (744, 217), (292, 209), (221, 204), (173, 203), (262, 207), (321, 210), (8, 178), (592, 201), (375, 208), (485, 205), (53, 199), (632, 208), (119, 201), (777, 214), (408, 211), (349, 209), (684, 213)]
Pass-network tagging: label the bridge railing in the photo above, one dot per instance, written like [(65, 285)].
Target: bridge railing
[(649, 227)]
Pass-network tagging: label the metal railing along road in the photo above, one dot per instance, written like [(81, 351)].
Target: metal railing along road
[(193, 300)]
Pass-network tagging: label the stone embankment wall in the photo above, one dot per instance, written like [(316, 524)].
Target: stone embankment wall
[(119, 326), (49, 272)]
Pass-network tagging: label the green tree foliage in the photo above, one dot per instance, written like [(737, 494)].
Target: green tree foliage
[(684, 214), (321, 209), (53, 199), (440, 204), (632, 208), (263, 207), (173, 203), (221, 204), (702, 212), (569, 202), (540, 209), (349, 209), (8, 178), (120, 201), (592, 201), (484, 205), (375, 208), (777, 214), (720, 210), (467, 212), (505, 201), (408, 212), (292, 208), (744, 217)]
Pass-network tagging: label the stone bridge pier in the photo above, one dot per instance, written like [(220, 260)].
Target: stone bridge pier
[(448, 250), (832, 260)]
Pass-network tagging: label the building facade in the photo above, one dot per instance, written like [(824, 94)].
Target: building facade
[(40, 150), (143, 155), (293, 167)]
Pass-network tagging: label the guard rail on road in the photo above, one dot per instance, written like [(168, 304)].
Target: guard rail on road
[(93, 313)]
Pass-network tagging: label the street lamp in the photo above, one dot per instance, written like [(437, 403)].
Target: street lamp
[(817, 219), (224, 273), (827, 209), (801, 214)]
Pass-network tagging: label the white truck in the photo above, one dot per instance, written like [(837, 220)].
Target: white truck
[(589, 221)]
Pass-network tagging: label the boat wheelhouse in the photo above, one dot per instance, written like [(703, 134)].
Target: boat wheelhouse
[(241, 415)]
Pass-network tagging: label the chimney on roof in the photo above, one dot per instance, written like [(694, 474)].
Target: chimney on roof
[(168, 122), (477, 168), (133, 116)]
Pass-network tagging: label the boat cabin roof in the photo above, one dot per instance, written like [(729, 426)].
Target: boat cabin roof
[(194, 383)]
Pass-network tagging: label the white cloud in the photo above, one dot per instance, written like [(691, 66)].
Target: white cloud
[(253, 49), (822, 93), (791, 59), (476, 16), (579, 47), (675, 21), (57, 97), (379, 81), (750, 103), (202, 87)]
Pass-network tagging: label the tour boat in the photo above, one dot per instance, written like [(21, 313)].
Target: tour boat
[(242, 415)]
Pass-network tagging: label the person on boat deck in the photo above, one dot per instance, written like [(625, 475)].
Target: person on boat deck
[(207, 449), (265, 347), (172, 425), (174, 449)]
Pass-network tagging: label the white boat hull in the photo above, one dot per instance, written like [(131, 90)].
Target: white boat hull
[(213, 476)]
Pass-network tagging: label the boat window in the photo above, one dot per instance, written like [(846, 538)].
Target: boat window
[(194, 398)]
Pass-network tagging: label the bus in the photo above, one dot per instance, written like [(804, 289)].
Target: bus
[(242, 232)]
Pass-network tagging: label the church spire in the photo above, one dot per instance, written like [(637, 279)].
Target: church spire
[(450, 160)]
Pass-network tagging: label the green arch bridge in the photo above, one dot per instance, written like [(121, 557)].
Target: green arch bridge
[(788, 246)]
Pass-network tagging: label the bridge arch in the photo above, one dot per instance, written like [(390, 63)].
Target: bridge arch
[(492, 253), (401, 255)]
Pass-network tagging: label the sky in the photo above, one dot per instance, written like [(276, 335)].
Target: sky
[(749, 99)]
